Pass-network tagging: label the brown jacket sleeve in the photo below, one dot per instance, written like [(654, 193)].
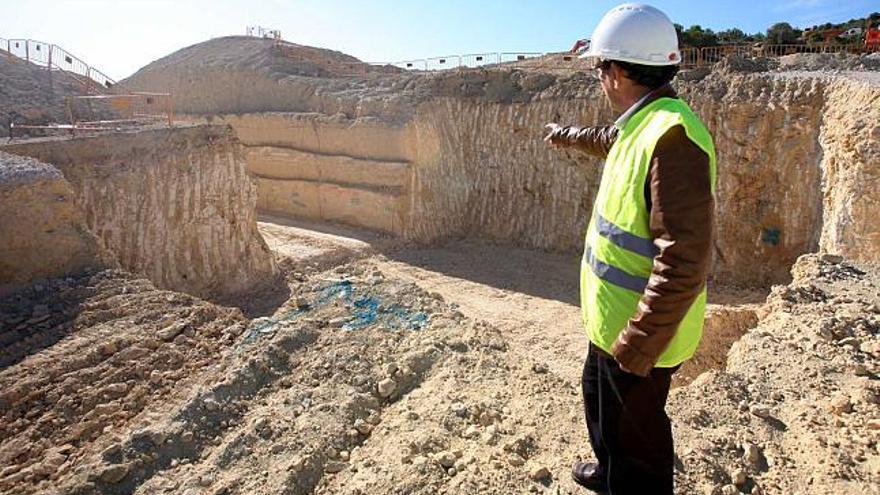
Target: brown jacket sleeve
[(681, 215), (595, 141)]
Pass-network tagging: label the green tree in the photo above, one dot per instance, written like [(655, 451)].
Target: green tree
[(678, 30), (814, 36), (696, 36), (733, 35), (781, 33)]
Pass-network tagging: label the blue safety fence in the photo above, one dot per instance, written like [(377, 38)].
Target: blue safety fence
[(366, 308)]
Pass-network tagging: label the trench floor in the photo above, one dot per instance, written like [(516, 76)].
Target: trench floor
[(531, 296)]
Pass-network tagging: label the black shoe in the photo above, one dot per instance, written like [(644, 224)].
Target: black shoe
[(590, 475)]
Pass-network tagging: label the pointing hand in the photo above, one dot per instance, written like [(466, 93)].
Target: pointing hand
[(553, 134)]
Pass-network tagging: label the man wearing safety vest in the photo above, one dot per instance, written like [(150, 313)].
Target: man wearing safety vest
[(647, 253)]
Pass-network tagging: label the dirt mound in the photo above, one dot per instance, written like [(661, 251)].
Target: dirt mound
[(33, 95), (244, 74), (298, 401), (84, 356), (734, 63), (796, 409), (364, 383), (828, 62), (246, 53)]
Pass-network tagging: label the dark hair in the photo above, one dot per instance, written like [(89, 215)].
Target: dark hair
[(650, 76)]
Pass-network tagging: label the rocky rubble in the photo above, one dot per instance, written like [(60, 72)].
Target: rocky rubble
[(365, 384), (796, 409), (360, 384), (83, 357)]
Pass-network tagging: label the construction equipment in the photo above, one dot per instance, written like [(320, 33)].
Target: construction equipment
[(872, 36), (580, 46)]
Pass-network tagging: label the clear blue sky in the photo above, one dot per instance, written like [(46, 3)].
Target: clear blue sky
[(121, 36)]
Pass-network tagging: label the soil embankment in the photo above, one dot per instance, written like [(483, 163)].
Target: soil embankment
[(173, 204), (459, 154), (44, 232), (32, 95)]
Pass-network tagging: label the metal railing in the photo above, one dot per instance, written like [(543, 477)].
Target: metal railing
[(53, 57), (565, 61), (518, 56), (138, 108), (98, 113), (707, 56), (474, 60), (440, 63)]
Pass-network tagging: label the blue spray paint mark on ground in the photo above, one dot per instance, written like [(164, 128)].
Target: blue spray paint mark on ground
[(403, 317), (771, 236), (366, 310), (342, 289), (271, 324)]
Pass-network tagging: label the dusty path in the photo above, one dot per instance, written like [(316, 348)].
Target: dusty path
[(303, 245), (530, 296)]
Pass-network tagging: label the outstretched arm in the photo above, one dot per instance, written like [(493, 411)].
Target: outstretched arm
[(594, 141)]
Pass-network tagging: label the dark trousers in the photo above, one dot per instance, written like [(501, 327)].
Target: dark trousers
[(629, 430)]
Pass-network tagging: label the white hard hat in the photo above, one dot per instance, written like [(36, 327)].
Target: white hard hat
[(635, 33)]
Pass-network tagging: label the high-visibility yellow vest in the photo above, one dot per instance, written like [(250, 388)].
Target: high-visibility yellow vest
[(619, 250)]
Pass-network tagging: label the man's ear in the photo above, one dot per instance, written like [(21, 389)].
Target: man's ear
[(617, 75)]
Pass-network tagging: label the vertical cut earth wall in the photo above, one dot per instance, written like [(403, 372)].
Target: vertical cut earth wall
[(796, 151), (174, 204)]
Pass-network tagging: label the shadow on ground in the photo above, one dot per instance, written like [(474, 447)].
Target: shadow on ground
[(536, 273)]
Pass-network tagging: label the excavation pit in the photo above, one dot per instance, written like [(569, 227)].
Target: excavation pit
[(427, 245)]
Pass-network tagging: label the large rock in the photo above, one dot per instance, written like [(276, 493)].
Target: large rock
[(44, 233), (174, 204)]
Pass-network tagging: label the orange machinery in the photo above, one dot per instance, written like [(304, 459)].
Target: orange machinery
[(872, 37)]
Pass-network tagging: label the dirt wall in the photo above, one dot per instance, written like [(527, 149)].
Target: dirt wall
[(307, 165), (794, 151), (500, 181), (44, 233), (850, 139), (175, 205), (484, 171), (769, 197)]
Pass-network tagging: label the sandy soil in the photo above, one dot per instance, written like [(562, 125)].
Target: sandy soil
[(532, 296), (404, 370)]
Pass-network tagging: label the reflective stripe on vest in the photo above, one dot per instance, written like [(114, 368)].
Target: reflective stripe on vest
[(624, 239), (619, 252), (614, 275)]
